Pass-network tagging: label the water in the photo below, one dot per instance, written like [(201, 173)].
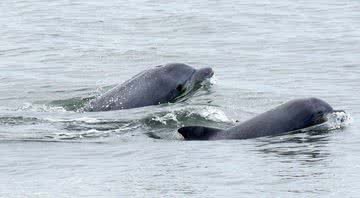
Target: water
[(55, 56)]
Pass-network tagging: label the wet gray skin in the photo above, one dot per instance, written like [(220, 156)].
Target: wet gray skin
[(291, 116), (161, 84)]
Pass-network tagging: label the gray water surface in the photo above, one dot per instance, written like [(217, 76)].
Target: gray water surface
[(57, 55)]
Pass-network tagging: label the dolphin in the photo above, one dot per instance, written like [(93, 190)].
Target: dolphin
[(293, 115), (161, 84)]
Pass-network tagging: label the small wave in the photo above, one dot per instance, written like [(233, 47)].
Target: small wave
[(40, 108), (169, 117), (162, 125), (89, 134), (213, 114), (72, 104), (53, 121), (87, 120), (184, 115), (16, 120)]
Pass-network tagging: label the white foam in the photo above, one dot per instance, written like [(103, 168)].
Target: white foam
[(335, 120), (338, 120), (167, 117), (213, 80), (40, 108), (82, 119), (209, 81), (214, 114)]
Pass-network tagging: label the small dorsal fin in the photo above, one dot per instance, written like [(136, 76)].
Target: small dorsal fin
[(197, 132)]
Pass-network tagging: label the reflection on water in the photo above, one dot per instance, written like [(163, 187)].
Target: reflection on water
[(309, 147)]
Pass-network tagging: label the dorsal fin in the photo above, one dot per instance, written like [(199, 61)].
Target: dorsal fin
[(197, 132)]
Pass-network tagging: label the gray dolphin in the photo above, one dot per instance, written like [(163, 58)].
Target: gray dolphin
[(160, 84), (293, 115)]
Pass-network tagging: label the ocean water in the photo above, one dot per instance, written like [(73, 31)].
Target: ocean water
[(57, 55)]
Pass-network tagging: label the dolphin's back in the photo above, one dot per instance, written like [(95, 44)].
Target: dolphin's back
[(287, 117), (137, 92), (151, 87)]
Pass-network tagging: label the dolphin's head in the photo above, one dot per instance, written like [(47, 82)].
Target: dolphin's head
[(195, 81), (185, 78), (320, 109), (202, 74)]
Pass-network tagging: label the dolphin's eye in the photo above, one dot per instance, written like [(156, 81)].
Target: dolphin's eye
[(319, 117), (320, 113), (179, 88)]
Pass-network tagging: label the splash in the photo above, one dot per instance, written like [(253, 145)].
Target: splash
[(40, 108), (207, 113), (183, 115), (213, 114), (335, 120), (210, 81), (338, 119), (166, 118)]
